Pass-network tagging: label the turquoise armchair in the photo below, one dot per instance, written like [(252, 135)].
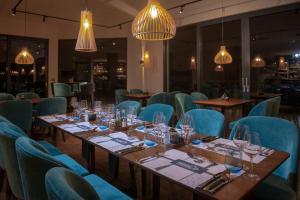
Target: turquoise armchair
[(198, 96), (27, 95), (136, 91), (281, 135), (62, 90), (171, 98), (208, 122), (125, 105), (120, 95), (6, 96), (62, 184), (18, 112), (183, 103), (148, 113), (160, 97), (34, 161)]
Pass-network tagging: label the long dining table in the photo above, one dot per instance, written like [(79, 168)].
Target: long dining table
[(238, 188)]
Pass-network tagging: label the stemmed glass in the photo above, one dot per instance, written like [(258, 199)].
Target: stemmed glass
[(252, 148), (74, 103), (97, 106), (241, 137), (158, 123), (132, 114), (187, 126)]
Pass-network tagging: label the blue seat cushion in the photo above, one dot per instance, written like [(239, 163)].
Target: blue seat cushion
[(275, 188), (72, 164), (50, 148), (105, 190)]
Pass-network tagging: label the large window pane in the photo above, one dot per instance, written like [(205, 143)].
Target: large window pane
[(182, 54), (275, 38), (215, 83)]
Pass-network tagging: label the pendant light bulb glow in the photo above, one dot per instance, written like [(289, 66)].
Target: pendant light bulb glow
[(258, 62), (223, 57), (86, 39), (24, 57), (219, 68), (153, 23)]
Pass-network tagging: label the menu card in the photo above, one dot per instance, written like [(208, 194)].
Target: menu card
[(77, 127), (54, 118)]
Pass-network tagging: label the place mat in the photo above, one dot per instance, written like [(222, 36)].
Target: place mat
[(77, 127), (179, 166), (221, 145), (54, 118), (116, 141)]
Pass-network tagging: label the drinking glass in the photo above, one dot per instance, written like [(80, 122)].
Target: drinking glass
[(252, 148), (132, 114), (149, 139), (233, 161), (83, 105), (187, 126), (74, 103), (97, 106), (240, 137)]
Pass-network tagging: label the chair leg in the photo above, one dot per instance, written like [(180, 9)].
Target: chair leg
[(133, 180), (113, 164), (63, 136), (2, 176)]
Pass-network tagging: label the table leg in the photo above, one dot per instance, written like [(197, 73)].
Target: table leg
[(144, 182), (156, 187), (88, 153), (133, 180), (113, 165), (53, 131)]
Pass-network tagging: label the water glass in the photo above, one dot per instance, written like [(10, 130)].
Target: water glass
[(149, 139), (241, 135), (97, 106), (233, 161), (252, 148)]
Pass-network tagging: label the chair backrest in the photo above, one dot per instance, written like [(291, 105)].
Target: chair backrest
[(171, 98), (160, 97), (198, 96), (27, 95), (276, 133), (125, 105), (34, 162), (19, 112), (62, 90), (64, 184), (263, 108), (183, 103), (53, 105), (8, 136), (208, 122), (120, 95), (148, 113), (6, 96), (136, 91), (87, 89), (276, 106)]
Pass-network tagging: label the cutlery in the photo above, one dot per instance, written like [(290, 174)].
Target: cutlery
[(164, 166), (195, 158), (209, 181), (217, 184), (131, 149), (265, 152)]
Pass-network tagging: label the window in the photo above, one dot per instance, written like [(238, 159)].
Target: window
[(182, 63)]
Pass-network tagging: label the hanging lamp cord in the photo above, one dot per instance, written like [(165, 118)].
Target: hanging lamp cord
[(25, 19), (222, 23), (86, 4)]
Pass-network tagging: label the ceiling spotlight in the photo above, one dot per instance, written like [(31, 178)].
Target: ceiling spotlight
[(44, 18), (120, 26), (114, 44), (181, 9)]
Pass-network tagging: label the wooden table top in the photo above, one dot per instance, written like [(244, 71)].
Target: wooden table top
[(138, 96), (237, 189), (224, 103), (36, 100)]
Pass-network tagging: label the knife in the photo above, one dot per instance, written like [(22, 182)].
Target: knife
[(131, 149)]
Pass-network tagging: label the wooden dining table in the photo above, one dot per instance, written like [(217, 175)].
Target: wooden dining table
[(224, 104), (263, 95), (239, 188), (142, 97)]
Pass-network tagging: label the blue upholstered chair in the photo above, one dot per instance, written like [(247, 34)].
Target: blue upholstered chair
[(34, 161), (275, 106), (9, 133), (263, 108), (62, 184), (136, 91), (27, 95), (62, 90), (19, 112), (120, 95), (208, 122), (160, 97), (281, 135), (171, 98), (198, 96), (125, 105), (148, 113), (183, 103), (6, 96)]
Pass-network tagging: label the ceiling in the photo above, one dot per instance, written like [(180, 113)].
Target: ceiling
[(105, 12)]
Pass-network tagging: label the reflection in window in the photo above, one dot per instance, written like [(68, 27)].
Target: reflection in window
[(183, 76), (275, 45), (215, 80)]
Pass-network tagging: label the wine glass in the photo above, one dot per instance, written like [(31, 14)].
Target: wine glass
[(240, 137), (74, 103), (233, 161), (252, 148), (97, 106), (83, 105), (132, 114)]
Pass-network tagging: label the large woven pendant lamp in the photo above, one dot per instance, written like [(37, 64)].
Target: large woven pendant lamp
[(24, 57), (86, 39), (223, 56), (153, 23)]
